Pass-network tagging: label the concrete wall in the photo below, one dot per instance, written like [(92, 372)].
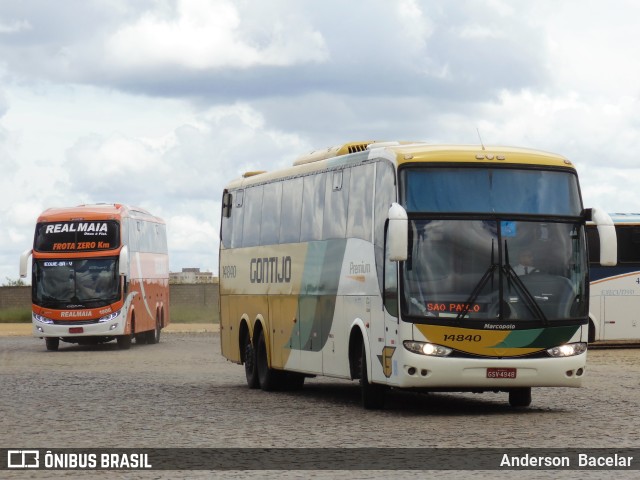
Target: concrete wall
[(15, 297), (187, 295)]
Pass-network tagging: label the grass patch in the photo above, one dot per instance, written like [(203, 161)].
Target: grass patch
[(179, 314), (15, 315), (191, 314)]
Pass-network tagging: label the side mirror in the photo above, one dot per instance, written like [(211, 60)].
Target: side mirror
[(608, 239), (398, 233), (24, 263), (123, 261)]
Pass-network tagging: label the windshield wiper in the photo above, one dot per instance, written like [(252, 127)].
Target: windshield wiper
[(523, 290), (49, 301), (478, 288)]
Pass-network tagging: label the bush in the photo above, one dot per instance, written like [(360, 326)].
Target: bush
[(191, 314), (15, 315)]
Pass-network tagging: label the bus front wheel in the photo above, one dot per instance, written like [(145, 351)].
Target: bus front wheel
[(520, 397), (52, 343), (124, 342), (372, 394)]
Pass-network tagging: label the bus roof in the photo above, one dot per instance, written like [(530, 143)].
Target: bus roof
[(96, 211), (630, 218), (403, 152)]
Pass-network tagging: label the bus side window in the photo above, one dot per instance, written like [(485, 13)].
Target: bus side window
[(360, 202), (312, 207), (226, 223), (271, 203), (291, 211), (390, 285), (593, 244), (336, 202), (235, 240), (252, 216), (628, 243), (385, 195)]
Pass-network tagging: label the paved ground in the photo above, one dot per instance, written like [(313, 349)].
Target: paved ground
[(16, 329), (183, 393)]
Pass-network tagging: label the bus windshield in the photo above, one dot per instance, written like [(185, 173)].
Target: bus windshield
[(76, 283), (499, 270), (491, 190)]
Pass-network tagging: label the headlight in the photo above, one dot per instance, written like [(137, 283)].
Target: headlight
[(568, 350), (424, 348), (42, 319), (111, 316)]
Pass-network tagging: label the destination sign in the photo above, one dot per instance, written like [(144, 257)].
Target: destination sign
[(455, 307), (77, 236)]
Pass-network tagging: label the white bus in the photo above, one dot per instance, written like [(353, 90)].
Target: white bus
[(614, 315), (398, 264)]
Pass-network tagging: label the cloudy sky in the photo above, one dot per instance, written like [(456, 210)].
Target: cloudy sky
[(159, 103)]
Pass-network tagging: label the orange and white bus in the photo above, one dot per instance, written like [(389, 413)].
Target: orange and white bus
[(400, 265), (99, 272)]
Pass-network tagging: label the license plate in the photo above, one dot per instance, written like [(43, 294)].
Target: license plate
[(502, 372), (76, 330)]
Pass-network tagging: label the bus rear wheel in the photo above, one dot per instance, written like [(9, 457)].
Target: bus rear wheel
[(269, 378), (520, 397), (250, 367), (153, 336), (52, 343)]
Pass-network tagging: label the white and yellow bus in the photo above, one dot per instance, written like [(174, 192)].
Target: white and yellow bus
[(615, 290), (99, 272), (399, 265)]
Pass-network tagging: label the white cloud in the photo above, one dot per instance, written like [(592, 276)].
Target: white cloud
[(14, 26), (203, 34), (222, 87)]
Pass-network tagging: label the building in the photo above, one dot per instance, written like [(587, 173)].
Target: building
[(192, 275)]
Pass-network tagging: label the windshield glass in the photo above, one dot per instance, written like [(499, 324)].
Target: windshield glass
[(77, 283), (491, 190), (482, 270)]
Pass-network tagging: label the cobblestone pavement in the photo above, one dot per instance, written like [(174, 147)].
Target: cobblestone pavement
[(183, 393)]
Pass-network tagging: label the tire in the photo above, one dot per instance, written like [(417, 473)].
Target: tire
[(250, 364), (520, 397), (292, 381), (372, 393), (269, 378), (52, 343), (153, 336), (124, 342)]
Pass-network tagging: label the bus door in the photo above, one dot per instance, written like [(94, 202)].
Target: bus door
[(621, 317), (383, 338)]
